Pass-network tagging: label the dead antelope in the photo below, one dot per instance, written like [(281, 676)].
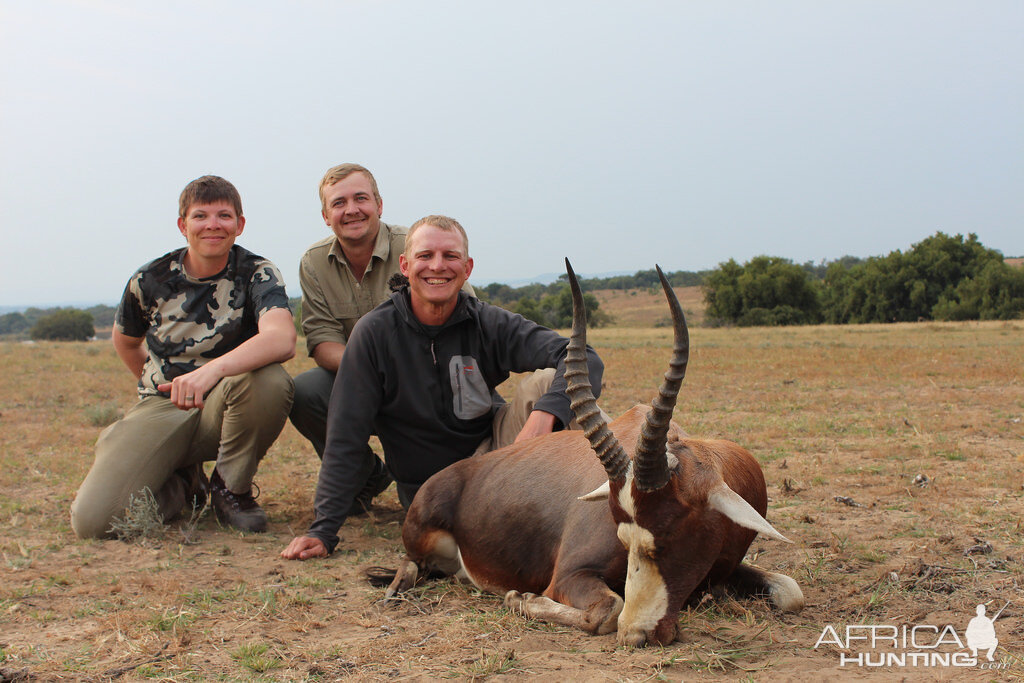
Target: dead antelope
[(681, 514)]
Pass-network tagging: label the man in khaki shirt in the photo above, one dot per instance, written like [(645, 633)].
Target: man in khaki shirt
[(343, 277)]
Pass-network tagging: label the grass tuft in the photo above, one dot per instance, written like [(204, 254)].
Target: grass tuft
[(255, 657), (488, 664)]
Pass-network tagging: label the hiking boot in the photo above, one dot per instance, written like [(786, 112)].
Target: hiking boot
[(197, 486), (239, 510), (375, 485)]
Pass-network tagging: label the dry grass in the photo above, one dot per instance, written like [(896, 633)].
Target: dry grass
[(646, 307), (893, 456)]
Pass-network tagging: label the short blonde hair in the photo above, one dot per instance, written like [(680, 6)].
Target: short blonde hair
[(341, 172), (441, 223)]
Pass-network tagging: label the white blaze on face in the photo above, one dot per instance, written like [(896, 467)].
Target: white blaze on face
[(646, 593)]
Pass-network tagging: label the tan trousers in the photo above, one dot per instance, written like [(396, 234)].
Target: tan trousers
[(510, 418), (239, 421)]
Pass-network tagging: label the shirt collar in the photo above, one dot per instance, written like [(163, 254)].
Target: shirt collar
[(381, 248)]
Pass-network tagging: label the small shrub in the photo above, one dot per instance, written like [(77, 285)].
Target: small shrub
[(142, 521), (103, 414)]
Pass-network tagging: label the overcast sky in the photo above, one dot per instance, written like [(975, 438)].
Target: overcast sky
[(619, 134)]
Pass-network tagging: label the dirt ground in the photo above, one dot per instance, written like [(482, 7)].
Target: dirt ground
[(893, 456)]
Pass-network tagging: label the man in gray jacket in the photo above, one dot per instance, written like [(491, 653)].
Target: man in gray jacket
[(420, 371)]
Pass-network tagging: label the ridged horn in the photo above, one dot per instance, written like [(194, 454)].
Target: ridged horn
[(584, 406), (650, 468)]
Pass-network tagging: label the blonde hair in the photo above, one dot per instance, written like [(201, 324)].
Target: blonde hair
[(341, 172), (441, 223)]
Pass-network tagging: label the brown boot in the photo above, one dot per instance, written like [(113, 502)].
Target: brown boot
[(239, 510)]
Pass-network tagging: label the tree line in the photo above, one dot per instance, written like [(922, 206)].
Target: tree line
[(57, 324), (940, 278), (551, 305)]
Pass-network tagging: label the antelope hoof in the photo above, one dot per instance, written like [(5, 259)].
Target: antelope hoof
[(516, 601), (405, 578)]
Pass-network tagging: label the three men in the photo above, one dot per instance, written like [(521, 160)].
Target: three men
[(420, 371), (204, 330)]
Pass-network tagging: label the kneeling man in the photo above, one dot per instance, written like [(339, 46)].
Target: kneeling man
[(204, 330), (420, 371)]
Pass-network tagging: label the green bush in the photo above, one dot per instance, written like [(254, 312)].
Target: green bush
[(768, 290), (555, 310), (13, 323), (939, 278), (996, 293), (67, 324)]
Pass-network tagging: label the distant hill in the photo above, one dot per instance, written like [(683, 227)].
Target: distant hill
[(648, 308), (548, 278)]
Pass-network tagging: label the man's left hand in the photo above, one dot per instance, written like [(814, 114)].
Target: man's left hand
[(537, 423)]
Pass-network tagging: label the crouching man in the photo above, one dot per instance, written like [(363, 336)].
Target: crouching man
[(420, 371), (204, 330)]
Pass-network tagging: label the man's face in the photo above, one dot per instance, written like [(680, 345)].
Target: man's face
[(352, 212), (211, 229), (436, 264)]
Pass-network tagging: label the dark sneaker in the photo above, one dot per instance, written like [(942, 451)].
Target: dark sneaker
[(197, 486), (239, 510), (375, 485)]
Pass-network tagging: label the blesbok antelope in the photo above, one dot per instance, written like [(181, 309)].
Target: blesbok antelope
[(680, 516)]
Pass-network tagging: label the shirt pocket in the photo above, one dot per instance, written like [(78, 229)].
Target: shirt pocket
[(471, 397), (343, 310)]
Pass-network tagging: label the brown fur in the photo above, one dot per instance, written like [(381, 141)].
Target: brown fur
[(518, 524)]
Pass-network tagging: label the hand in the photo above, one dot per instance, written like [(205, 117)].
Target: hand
[(303, 548), (537, 423), (189, 390)]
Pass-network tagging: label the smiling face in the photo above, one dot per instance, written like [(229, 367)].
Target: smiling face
[(437, 266), (352, 211), (210, 230)]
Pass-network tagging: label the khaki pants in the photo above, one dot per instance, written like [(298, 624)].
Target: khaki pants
[(511, 417), (239, 421)]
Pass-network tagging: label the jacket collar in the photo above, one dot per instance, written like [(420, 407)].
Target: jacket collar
[(403, 304)]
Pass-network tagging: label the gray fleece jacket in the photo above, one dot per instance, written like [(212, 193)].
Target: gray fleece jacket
[(428, 393)]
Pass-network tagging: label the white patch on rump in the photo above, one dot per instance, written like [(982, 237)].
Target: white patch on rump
[(646, 593)]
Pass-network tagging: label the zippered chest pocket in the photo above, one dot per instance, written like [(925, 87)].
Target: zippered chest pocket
[(470, 396)]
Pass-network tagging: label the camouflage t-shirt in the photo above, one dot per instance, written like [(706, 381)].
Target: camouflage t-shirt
[(188, 321)]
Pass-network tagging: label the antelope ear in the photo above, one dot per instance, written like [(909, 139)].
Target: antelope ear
[(733, 506), (600, 493)]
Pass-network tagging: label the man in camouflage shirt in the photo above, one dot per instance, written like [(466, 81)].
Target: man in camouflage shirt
[(204, 329)]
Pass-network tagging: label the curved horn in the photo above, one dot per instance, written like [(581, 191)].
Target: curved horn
[(650, 468), (584, 405)]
